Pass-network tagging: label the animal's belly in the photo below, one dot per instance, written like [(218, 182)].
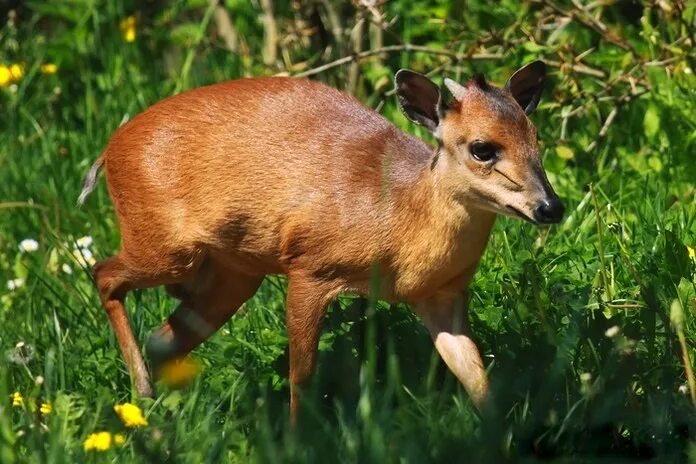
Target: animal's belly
[(396, 288)]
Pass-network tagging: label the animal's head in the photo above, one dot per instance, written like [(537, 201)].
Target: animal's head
[(489, 143)]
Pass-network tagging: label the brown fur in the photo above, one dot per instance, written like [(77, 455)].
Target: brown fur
[(219, 186)]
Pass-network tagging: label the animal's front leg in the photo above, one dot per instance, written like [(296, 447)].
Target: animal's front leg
[(447, 321)]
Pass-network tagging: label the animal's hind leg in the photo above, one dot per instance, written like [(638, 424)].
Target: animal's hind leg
[(119, 274), (207, 302), (113, 283)]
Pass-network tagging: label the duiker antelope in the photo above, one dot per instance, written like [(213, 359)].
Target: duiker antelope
[(219, 186)]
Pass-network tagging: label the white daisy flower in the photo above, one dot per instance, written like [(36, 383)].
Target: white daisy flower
[(14, 284), (84, 242), (84, 257), (28, 245), (612, 331)]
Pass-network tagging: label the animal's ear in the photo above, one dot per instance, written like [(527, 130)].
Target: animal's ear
[(526, 85), (419, 99)]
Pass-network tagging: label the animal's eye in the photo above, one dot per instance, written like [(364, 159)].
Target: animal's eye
[(483, 151)]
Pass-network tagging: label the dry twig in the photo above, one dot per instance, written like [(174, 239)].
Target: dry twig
[(224, 26), (454, 56), (270, 33), (581, 15)]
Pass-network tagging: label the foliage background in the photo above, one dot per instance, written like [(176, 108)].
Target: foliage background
[(588, 327)]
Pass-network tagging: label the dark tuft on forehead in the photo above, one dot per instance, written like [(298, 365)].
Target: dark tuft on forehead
[(501, 102), (480, 81)]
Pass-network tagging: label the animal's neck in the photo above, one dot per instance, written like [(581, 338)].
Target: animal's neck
[(439, 236), (443, 202)]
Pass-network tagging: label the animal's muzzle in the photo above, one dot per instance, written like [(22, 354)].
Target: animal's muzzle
[(549, 211)]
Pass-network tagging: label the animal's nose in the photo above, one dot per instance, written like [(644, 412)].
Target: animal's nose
[(549, 211)]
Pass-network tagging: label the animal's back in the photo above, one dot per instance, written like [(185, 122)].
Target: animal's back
[(257, 165)]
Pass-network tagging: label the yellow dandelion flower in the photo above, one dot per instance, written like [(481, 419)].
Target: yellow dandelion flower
[(119, 439), (46, 408), (17, 72), (100, 441), (692, 252), (130, 414), (5, 76), (178, 372), (49, 68), (17, 400), (128, 29), (130, 35)]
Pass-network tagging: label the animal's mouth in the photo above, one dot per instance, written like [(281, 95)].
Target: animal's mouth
[(521, 215)]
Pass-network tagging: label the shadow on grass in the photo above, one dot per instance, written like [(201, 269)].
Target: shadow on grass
[(409, 408)]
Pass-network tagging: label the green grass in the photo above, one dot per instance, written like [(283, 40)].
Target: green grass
[(542, 301)]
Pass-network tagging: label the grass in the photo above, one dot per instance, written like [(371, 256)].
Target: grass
[(586, 327)]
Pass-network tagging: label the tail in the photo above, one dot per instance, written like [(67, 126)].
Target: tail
[(90, 180)]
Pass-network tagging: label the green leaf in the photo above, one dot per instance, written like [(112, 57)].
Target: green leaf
[(173, 401), (533, 47), (20, 269), (565, 152), (651, 121), (655, 163), (676, 315)]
